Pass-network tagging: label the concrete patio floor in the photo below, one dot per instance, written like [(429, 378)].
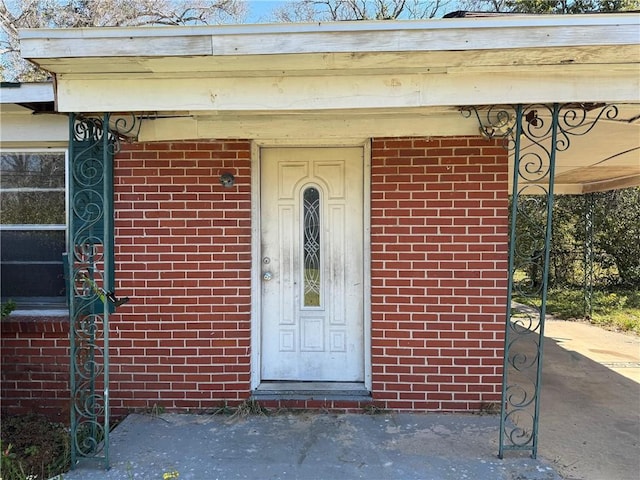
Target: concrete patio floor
[(590, 402), (589, 430), (311, 446)]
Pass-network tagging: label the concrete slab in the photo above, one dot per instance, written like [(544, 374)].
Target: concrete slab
[(312, 446), (590, 402), (618, 351)]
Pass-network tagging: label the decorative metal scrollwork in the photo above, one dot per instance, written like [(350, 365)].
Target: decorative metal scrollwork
[(90, 267), (533, 134), (495, 121)]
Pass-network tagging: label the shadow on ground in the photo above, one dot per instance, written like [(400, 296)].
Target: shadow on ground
[(589, 414)]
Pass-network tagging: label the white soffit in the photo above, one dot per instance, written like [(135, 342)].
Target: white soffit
[(605, 158)]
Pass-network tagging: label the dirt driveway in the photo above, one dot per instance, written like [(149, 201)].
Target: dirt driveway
[(590, 402)]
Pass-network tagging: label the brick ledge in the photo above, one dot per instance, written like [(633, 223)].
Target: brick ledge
[(35, 322)]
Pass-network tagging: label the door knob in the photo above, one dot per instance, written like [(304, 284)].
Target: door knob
[(266, 276)]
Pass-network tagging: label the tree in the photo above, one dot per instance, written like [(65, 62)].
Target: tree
[(100, 13), (550, 6), (616, 246), (334, 10), (617, 231)]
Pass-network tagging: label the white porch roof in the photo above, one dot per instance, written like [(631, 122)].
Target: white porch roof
[(331, 81)]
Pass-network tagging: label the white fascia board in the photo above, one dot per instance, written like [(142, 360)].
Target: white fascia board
[(387, 36), (343, 92), (27, 93)]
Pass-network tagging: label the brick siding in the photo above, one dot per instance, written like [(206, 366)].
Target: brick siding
[(35, 366), (183, 255), (439, 272)]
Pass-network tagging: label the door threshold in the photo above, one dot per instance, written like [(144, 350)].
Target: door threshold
[(274, 390)]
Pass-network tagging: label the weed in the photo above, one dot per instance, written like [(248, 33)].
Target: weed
[(10, 465), (489, 408), (373, 409), (129, 470), (250, 407), (156, 410), (223, 409)]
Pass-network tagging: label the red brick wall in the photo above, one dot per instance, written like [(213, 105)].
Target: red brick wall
[(183, 255), (35, 366), (439, 272)]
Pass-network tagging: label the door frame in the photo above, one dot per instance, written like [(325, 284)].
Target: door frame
[(256, 266)]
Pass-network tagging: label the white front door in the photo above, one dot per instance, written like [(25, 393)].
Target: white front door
[(312, 264)]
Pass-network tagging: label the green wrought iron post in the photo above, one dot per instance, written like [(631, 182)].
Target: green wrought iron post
[(90, 267), (534, 135), (90, 279), (529, 249), (545, 275), (108, 149), (589, 208), (512, 235)]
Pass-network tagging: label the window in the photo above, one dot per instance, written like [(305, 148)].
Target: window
[(311, 247), (33, 227)]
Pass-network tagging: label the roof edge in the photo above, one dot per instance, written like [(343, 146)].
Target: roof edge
[(20, 93), (498, 21)]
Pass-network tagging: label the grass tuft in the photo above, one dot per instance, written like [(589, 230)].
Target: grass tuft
[(250, 407)]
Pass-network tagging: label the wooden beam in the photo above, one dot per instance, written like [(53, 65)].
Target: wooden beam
[(282, 93), (566, 189), (336, 63), (340, 125), (612, 184), (578, 188)]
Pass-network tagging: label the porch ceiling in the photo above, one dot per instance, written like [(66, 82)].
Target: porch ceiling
[(606, 158), (331, 81)]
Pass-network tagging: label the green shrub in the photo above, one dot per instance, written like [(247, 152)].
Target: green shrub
[(7, 307)]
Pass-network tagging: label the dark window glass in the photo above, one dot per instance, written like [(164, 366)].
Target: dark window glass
[(32, 233)]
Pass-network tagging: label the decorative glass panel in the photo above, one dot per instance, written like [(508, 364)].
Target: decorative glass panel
[(311, 252)]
